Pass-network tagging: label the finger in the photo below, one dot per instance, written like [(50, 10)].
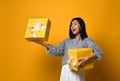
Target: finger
[(78, 64), (79, 67), (79, 59), (34, 39)]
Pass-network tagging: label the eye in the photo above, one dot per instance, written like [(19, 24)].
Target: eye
[(75, 24)]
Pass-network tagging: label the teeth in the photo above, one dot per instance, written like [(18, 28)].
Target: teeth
[(73, 29)]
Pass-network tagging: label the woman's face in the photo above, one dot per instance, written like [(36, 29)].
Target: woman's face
[(75, 27)]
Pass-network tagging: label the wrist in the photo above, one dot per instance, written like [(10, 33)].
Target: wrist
[(93, 57)]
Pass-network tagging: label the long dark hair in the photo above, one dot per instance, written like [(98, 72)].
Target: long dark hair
[(83, 33)]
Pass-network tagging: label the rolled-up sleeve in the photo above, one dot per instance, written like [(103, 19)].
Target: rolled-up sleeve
[(57, 50), (96, 50)]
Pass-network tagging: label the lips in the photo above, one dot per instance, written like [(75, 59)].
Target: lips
[(73, 30)]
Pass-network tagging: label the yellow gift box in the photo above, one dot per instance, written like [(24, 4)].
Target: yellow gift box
[(74, 54), (37, 28)]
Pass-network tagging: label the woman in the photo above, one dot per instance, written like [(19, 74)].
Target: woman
[(78, 38)]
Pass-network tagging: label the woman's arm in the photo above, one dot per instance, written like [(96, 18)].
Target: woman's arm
[(85, 60), (57, 50), (93, 57), (42, 43), (97, 53), (96, 49)]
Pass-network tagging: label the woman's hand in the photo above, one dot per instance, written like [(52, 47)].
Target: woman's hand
[(84, 60), (40, 42), (81, 62)]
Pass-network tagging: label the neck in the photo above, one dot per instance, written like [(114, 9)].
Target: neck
[(77, 36)]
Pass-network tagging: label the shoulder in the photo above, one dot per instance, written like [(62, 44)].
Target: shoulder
[(88, 40), (66, 40)]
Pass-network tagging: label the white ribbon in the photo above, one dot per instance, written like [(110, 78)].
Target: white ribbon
[(37, 27)]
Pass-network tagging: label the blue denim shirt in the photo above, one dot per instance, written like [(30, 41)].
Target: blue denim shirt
[(62, 48)]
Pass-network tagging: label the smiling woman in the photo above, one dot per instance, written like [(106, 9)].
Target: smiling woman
[(78, 39)]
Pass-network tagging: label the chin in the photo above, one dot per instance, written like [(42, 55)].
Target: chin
[(74, 33)]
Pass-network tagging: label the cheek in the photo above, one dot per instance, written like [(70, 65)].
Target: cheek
[(78, 28)]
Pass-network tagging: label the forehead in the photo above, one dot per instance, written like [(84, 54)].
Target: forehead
[(75, 21)]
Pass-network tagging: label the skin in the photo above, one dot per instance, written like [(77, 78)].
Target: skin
[(75, 28)]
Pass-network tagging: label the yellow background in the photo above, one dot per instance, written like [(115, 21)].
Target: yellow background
[(21, 60)]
